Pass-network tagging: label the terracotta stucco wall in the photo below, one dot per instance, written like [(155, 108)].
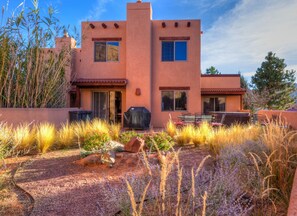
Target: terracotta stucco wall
[(176, 73), (138, 54), (289, 116), (86, 66), (17, 116), (233, 103), (220, 81)]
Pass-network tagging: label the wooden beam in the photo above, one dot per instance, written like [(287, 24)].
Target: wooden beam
[(174, 38), (174, 88), (107, 39)]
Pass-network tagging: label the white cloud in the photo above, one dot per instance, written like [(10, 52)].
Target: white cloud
[(204, 5), (98, 10), (241, 39)]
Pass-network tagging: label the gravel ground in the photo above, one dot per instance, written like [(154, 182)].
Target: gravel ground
[(61, 187)]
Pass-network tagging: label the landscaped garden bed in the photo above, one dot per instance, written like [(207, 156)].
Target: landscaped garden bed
[(244, 170)]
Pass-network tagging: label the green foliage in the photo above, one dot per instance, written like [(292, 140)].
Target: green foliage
[(274, 81), (126, 136), (95, 141), (163, 141), (212, 71)]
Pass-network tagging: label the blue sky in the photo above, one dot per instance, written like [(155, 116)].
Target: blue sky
[(237, 36)]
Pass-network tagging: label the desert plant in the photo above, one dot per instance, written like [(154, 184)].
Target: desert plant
[(114, 131), (98, 126), (185, 135), (23, 138), (162, 140), (171, 128), (95, 142), (5, 141), (66, 136), (45, 136), (126, 136), (203, 134), (277, 166)]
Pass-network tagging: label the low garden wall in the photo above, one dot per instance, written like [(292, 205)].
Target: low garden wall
[(293, 199), (16, 116), (289, 116)]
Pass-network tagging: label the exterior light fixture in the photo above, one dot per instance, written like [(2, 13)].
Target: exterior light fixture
[(116, 25), (176, 24), (163, 24), (189, 24), (138, 92)]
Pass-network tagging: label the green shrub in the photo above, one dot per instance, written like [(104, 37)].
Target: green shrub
[(163, 141), (95, 141), (125, 137)]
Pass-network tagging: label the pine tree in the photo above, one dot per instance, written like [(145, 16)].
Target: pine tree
[(273, 78), (212, 71)]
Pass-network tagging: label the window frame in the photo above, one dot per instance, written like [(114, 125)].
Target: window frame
[(174, 42), (214, 105), (106, 53), (174, 110)]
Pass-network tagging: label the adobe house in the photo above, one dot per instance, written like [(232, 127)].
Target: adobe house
[(144, 62)]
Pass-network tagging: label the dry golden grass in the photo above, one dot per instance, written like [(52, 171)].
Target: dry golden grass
[(23, 138), (114, 131), (99, 126), (185, 135), (277, 166), (45, 136), (163, 204), (66, 136), (171, 128)]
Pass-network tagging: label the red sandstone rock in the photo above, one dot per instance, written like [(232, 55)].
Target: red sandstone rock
[(134, 145)]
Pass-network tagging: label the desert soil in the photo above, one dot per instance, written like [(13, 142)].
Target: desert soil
[(61, 187)]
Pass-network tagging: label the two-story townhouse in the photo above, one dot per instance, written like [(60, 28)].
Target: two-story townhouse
[(150, 63)]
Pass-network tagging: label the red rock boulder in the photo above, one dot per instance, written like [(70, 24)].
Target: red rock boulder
[(134, 145)]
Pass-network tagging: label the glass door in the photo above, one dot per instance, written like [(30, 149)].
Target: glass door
[(101, 105)]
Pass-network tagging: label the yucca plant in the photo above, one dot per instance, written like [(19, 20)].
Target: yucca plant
[(45, 136)]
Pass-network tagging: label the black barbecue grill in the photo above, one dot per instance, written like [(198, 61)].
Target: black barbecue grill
[(137, 118)]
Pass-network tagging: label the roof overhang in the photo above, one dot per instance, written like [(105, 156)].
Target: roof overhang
[(222, 91), (95, 83)]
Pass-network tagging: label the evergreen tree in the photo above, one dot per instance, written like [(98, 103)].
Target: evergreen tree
[(212, 70), (274, 79)]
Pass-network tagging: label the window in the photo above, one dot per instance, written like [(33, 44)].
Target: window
[(214, 104), (107, 51), (174, 100), (174, 50)]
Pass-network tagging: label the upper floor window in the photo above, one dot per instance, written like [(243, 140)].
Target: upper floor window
[(106, 51), (174, 50)]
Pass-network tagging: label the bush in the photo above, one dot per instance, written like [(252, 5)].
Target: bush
[(126, 136), (95, 142), (162, 140)]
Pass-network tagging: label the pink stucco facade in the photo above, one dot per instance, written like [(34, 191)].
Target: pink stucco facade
[(140, 75)]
